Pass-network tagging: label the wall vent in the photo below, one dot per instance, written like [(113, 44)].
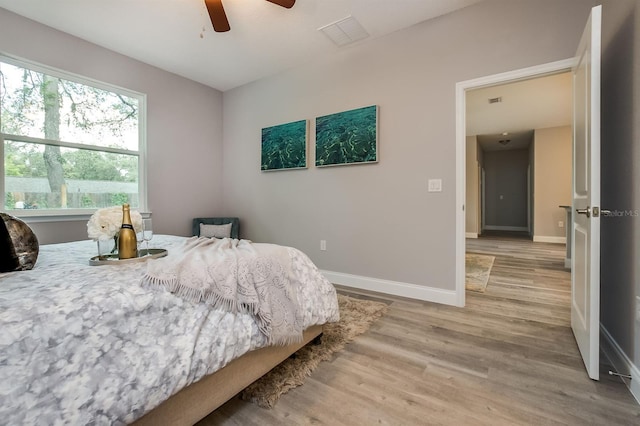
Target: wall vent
[(495, 100)]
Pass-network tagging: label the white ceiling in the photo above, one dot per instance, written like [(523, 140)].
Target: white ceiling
[(176, 35), (526, 105)]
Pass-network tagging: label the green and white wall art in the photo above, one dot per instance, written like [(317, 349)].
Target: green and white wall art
[(285, 146), (349, 137)]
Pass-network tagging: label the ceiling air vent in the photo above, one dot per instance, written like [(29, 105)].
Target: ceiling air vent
[(345, 31), (504, 142), (495, 100)]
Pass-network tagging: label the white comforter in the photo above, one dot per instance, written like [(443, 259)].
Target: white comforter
[(84, 344)]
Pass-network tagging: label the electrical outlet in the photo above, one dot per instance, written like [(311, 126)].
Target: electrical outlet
[(560, 224), (323, 245)]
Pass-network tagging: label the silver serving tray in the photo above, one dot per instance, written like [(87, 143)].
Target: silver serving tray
[(112, 259)]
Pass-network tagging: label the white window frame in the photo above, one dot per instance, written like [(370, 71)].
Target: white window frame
[(45, 215)]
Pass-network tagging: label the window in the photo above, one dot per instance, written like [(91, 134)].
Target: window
[(70, 145)]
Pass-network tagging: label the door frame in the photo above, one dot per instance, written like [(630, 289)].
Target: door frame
[(529, 197), (461, 89), (481, 221)]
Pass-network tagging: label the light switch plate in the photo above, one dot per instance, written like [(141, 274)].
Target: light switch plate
[(435, 185)]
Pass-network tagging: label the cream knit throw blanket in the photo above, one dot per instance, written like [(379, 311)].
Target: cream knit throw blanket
[(235, 275)]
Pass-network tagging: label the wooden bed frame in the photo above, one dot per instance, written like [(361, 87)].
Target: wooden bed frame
[(197, 400)]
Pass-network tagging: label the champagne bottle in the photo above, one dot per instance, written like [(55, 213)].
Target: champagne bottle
[(127, 243)]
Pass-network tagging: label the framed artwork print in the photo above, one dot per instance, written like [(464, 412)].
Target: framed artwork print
[(349, 137), (284, 146)]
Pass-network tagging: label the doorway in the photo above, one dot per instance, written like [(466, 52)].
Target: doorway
[(585, 193), (519, 135), (506, 195), (462, 90)]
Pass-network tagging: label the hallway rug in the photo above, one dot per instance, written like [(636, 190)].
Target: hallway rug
[(356, 316), (478, 268)]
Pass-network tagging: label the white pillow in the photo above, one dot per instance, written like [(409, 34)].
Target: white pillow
[(217, 231)]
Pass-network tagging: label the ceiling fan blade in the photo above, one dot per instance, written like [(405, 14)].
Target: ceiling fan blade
[(217, 15), (284, 3)]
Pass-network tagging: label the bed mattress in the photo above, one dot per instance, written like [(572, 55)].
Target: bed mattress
[(84, 344)]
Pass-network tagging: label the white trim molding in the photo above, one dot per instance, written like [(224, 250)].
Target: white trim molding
[(549, 239), (506, 228), (412, 291), (621, 362), (471, 235)]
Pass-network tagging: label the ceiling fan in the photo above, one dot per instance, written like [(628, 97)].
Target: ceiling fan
[(219, 18)]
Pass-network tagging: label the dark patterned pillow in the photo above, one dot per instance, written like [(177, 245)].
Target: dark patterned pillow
[(18, 245)]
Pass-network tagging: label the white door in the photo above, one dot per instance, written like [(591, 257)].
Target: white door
[(585, 263)]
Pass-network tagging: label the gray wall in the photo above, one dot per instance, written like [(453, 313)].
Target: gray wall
[(506, 189), (620, 251), (379, 220), (184, 125)]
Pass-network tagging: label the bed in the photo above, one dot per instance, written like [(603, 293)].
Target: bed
[(84, 344)]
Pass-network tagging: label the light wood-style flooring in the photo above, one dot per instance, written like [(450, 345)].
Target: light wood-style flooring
[(507, 358)]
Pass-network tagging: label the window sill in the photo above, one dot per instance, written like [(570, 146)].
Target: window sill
[(34, 216)]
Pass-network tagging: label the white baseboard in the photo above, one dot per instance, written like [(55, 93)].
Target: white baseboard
[(505, 228), (548, 239), (471, 235), (621, 362), (412, 291)]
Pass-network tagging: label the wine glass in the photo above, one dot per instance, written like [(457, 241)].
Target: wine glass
[(147, 233), (139, 239)]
